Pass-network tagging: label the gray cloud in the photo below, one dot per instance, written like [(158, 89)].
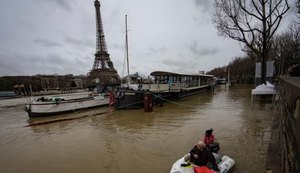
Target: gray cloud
[(55, 59), (195, 49), (118, 46), (23, 65), (154, 51), (178, 65), (25, 24), (41, 64), (77, 42), (64, 4), (172, 62), (203, 4), (6, 67), (70, 34), (157, 50), (46, 43)]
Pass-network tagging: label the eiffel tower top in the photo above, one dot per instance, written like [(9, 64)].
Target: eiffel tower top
[(100, 39)]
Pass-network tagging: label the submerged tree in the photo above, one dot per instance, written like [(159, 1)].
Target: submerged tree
[(252, 22)]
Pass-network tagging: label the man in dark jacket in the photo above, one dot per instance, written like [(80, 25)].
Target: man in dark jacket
[(200, 156)]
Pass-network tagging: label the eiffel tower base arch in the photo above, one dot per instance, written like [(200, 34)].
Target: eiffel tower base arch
[(106, 77)]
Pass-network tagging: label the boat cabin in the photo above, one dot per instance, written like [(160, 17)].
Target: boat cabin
[(177, 82)]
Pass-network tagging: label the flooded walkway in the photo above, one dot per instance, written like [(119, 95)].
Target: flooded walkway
[(130, 141)]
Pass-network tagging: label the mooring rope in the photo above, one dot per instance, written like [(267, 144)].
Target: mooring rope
[(159, 97), (170, 101), (124, 106)]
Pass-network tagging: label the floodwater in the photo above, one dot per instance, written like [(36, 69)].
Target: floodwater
[(133, 141)]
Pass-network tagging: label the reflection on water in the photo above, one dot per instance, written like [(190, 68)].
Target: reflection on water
[(134, 141)]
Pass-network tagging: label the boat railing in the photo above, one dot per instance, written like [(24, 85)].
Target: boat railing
[(159, 88), (168, 87), (175, 87), (146, 87), (184, 85), (193, 88)]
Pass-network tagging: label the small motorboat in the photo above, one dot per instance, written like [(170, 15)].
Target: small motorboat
[(183, 165)]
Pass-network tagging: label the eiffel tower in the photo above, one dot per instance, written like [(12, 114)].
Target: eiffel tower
[(103, 70)]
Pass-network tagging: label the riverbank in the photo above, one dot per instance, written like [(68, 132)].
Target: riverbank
[(273, 160), (283, 154)]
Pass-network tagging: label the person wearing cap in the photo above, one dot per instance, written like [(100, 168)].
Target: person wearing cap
[(200, 156)]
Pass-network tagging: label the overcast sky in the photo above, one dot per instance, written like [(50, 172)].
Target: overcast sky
[(59, 36)]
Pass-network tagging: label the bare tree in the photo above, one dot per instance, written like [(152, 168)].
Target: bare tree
[(298, 6), (252, 22), (286, 49)]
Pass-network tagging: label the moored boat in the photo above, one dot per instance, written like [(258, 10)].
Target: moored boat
[(129, 98), (165, 86), (180, 84), (183, 165), (221, 81), (129, 95), (46, 106)]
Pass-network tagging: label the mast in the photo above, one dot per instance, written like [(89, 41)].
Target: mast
[(228, 77), (127, 46), (128, 79)]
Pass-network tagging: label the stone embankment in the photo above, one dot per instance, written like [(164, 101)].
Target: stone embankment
[(284, 149)]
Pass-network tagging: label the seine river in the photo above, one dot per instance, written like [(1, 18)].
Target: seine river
[(133, 141)]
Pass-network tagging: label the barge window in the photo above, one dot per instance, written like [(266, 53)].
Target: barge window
[(161, 79), (173, 78), (204, 80)]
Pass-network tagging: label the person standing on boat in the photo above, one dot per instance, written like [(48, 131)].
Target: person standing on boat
[(112, 101), (210, 141), (200, 156)]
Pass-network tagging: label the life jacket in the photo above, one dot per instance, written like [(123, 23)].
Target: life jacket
[(203, 169), (112, 98), (209, 140)]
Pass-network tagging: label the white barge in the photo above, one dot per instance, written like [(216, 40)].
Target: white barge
[(44, 106)]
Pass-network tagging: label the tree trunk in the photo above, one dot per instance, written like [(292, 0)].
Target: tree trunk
[(264, 48)]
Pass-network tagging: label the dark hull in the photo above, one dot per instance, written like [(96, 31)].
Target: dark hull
[(193, 92), (132, 99), (129, 99), (164, 97)]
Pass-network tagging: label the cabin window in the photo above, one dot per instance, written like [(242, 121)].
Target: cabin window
[(165, 79), (161, 79), (204, 80), (184, 81), (176, 78), (193, 81), (171, 79)]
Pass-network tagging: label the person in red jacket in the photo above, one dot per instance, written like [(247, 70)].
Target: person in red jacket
[(209, 138), (210, 141)]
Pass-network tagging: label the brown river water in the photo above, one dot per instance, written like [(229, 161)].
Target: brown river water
[(133, 141)]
